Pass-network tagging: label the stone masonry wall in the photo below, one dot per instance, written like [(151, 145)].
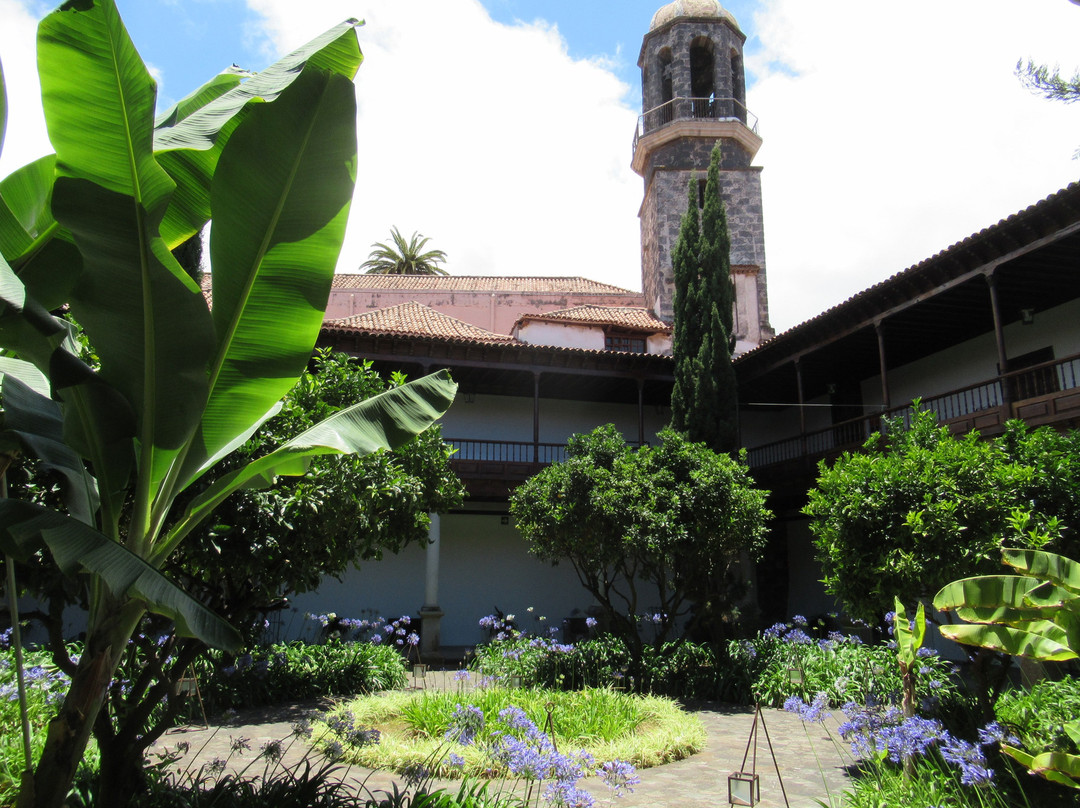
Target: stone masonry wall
[(661, 215)]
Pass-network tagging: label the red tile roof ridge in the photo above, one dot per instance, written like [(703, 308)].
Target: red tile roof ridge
[(417, 319), (635, 317)]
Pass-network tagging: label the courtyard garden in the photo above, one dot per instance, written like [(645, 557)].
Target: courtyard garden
[(176, 472), (533, 721)]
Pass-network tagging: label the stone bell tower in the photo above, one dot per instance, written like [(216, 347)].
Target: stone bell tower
[(693, 95)]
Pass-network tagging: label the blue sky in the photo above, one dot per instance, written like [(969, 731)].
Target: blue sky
[(225, 31), (502, 129)]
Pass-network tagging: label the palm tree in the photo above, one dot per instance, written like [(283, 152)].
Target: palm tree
[(404, 258)]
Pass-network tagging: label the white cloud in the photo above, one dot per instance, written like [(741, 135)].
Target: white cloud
[(25, 138), (889, 135), (892, 132), (490, 139)]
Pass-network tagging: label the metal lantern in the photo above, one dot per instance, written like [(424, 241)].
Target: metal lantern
[(515, 680), (419, 674), (795, 675), (743, 788)]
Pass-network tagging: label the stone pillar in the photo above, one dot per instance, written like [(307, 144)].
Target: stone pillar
[(430, 613)]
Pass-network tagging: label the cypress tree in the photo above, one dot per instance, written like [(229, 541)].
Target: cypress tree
[(703, 402)]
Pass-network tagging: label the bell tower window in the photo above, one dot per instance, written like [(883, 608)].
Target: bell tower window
[(702, 77)]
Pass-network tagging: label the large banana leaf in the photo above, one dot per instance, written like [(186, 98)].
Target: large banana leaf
[(38, 249), (3, 107), (145, 317), (1046, 566), (280, 209), (190, 139), (988, 593), (1058, 767), (26, 528), (909, 639), (36, 422), (1009, 640), (25, 326), (385, 421)]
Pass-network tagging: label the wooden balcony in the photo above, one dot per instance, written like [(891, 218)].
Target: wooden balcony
[(1045, 394), (491, 468)]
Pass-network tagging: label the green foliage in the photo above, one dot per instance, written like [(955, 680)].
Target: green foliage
[(345, 510), (1048, 82), (179, 387), (704, 400), (1039, 715), (1035, 614), (919, 508), (404, 257), (841, 666), (674, 517), (297, 671), (45, 687)]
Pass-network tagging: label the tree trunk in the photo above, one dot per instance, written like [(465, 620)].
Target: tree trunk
[(122, 775), (69, 731)]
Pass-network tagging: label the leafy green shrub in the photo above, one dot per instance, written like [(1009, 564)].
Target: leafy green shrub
[(839, 665), (297, 671), (45, 687), (1038, 715)]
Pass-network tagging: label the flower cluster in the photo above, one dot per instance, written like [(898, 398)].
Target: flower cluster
[(378, 631), (465, 723), (812, 713), (874, 730), (524, 751), (343, 725)]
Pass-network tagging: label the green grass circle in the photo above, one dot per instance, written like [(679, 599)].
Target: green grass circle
[(610, 725)]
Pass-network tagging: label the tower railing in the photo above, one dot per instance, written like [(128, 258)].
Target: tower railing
[(688, 109)]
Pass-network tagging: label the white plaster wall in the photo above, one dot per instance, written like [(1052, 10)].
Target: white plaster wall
[(491, 418), (562, 335), (659, 344), (511, 418), (806, 593), (484, 564)]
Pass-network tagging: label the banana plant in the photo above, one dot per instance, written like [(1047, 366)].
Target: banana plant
[(909, 639), (271, 161), (1034, 613)]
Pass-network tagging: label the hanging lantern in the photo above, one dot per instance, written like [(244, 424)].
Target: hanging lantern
[(744, 788)]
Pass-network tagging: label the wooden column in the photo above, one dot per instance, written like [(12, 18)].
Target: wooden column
[(536, 416), (879, 327), (999, 336), (641, 412)]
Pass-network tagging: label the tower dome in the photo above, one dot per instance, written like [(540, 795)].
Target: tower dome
[(692, 9), (693, 97)]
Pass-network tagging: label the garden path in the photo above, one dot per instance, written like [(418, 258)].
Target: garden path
[(810, 764)]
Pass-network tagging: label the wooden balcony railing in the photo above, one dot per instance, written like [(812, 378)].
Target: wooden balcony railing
[(504, 459), (1042, 394)]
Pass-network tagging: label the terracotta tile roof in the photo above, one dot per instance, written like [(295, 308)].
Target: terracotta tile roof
[(416, 319), (631, 317), (477, 283)]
